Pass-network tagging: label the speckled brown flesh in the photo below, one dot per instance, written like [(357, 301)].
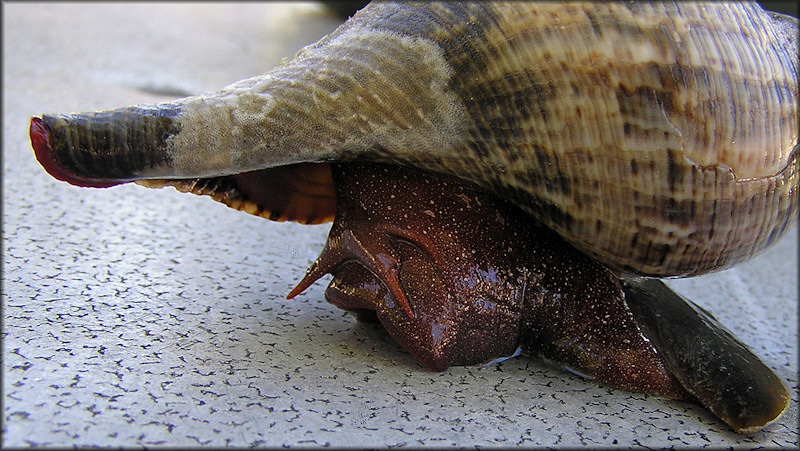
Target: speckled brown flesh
[(659, 138), (459, 277)]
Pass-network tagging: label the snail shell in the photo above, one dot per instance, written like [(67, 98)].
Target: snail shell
[(658, 138)]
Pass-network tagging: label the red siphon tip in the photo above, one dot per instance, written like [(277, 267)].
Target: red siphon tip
[(42, 142)]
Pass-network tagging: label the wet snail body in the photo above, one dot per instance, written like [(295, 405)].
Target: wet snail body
[(659, 139), (458, 276)]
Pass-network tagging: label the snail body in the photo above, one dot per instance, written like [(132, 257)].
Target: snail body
[(460, 277), (657, 139)]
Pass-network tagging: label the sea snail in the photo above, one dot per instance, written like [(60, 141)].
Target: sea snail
[(657, 139)]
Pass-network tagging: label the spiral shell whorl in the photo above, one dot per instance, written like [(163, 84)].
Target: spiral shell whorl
[(349, 96), (658, 138)]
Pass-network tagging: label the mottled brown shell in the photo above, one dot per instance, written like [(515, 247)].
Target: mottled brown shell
[(659, 138)]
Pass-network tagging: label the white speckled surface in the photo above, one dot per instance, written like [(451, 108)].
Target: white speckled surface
[(135, 317)]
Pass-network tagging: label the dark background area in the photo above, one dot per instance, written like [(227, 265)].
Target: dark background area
[(346, 8), (784, 7)]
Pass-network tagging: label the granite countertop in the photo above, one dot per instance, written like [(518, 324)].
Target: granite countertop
[(136, 317)]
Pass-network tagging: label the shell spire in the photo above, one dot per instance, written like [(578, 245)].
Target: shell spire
[(659, 138)]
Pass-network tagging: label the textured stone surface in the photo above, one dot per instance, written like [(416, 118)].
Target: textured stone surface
[(135, 317)]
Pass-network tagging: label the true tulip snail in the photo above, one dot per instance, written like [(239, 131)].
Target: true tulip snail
[(502, 175)]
